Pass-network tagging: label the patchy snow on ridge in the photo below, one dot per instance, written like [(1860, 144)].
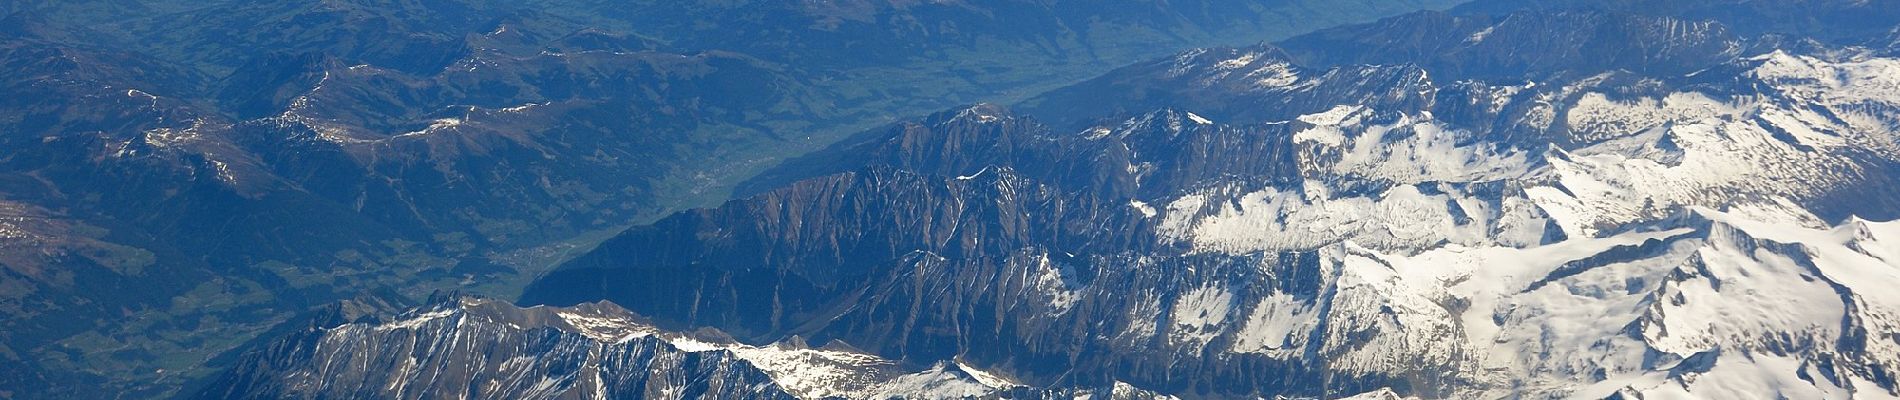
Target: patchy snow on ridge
[(1596, 117), (1712, 162), (1277, 323), (1199, 315), (1199, 119), (1400, 217), (1337, 115)]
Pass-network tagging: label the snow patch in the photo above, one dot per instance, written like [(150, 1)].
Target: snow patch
[(1198, 119), (1198, 315), (1337, 115)]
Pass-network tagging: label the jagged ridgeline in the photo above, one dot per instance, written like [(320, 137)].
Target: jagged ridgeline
[(1551, 202), (181, 177)]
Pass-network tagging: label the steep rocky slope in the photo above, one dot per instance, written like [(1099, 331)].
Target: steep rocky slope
[(188, 175), (1234, 222)]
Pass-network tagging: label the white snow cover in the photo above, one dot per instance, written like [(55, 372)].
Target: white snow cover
[(1199, 315), (1686, 264), (1549, 319), (822, 373), (1275, 323), (1641, 158), (1401, 217), (1335, 116), (1056, 283), (1197, 118)]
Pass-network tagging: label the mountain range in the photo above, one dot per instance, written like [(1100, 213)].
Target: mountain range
[(185, 178), (1533, 201)]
